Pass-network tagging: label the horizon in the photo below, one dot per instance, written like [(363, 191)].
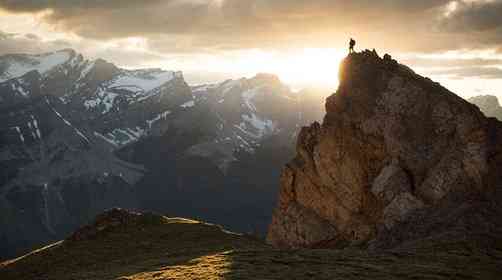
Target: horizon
[(198, 78), (302, 43)]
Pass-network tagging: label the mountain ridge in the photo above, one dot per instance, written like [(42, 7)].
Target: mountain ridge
[(83, 136)]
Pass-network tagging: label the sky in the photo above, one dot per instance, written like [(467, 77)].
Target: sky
[(455, 42)]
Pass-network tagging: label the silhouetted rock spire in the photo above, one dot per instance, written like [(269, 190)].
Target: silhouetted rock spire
[(394, 148)]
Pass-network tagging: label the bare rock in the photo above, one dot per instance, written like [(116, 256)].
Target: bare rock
[(400, 206), (111, 220), (392, 144), (391, 182)]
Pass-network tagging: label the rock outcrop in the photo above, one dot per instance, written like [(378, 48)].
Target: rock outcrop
[(111, 220), (393, 147)]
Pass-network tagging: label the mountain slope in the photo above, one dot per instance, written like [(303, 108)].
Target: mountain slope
[(397, 158), (16, 65), (80, 136), (124, 245), (223, 155), (59, 169)]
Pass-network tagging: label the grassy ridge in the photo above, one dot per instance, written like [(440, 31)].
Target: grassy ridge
[(172, 248)]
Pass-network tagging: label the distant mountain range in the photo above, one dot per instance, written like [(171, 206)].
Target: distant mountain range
[(80, 136), (489, 105)]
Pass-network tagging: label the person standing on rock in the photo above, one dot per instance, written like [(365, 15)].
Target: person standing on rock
[(352, 44)]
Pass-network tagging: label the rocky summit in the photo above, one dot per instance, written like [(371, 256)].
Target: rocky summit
[(398, 158)]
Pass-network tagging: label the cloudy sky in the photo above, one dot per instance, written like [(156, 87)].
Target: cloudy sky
[(457, 42)]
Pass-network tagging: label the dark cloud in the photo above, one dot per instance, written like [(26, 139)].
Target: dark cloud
[(68, 5), (479, 22), (474, 16), (213, 25), (230, 24)]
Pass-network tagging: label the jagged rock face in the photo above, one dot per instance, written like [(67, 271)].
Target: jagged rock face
[(392, 143), (489, 105)]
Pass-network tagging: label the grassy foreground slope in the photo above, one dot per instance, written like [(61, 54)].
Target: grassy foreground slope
[(124, 246)]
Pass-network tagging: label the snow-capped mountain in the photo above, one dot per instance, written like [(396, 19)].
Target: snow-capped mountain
[(17, 65), (246, 111), (79, 136)]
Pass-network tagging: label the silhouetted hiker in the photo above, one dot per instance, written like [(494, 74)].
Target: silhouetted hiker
[(352, 45)]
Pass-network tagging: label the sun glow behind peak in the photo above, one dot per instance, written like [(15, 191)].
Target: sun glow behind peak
[(298, 68)]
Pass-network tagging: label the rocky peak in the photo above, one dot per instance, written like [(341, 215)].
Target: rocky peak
[(392, 143), (16, 65), (266, 78), (102, 70), (111, 220), (489, 105)]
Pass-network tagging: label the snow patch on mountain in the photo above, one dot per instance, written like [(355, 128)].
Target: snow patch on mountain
[(18, 130), (145, 80), (227, 86), (88, 65), (104, 100), (262, 126), (110, 141), (135, 85), (161, 116), (248, 97), (43, 63), (79, 133), (35, 130), (120, 137), (19, 90), (188, 104)]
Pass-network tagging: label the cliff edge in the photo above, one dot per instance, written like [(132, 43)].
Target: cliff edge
[(398, 157)]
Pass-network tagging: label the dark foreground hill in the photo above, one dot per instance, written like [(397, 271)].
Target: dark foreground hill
[(124, 245)]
